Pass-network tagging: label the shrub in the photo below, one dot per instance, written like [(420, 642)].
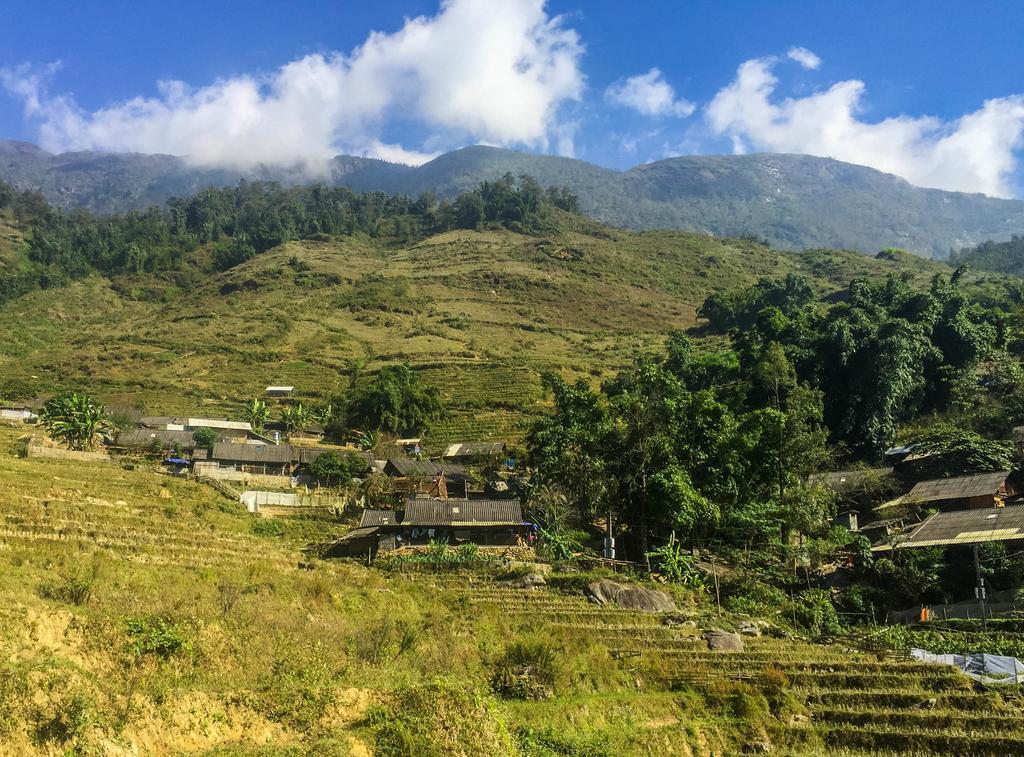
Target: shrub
[(429, 721), (552, 741), (467, 553), (228, 593), (74, 587), (746, 594), (438, 552), (556, 546), (674, 564), (267, 527), (527, 670), (814, 612), (204, 437), (299, 686), (67, 723), (14, 690), (157, 637)]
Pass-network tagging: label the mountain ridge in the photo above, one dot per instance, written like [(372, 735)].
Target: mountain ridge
[(791, 201)]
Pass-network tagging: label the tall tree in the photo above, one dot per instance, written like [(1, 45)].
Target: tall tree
[(74, 419)]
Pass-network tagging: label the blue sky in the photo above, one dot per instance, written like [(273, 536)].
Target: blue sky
[(931, 91)]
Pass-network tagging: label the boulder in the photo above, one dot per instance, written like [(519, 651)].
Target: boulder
[(629, 596), (529, 581), (724, 641), (753, 627)]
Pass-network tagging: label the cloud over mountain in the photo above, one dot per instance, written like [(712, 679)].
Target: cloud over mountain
[(648, 94), (973, 153), (476, 71)]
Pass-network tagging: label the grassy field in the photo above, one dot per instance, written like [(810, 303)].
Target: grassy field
[(144, 614), (481, 314)]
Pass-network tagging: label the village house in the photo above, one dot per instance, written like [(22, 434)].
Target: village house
[(17, 414), (485, 522), (265, 459), (965, 528), (157, 440), (429, 479), (964, 492), (280, 391)]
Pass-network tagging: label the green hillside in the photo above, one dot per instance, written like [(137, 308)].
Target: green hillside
[(480, 314)]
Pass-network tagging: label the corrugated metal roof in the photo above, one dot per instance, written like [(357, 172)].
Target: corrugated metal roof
[(156, 421), (401, 466), (961, 487), (144, 437), (380, 518), (357, 533), (474, 449), (969, 527), (218, 423), (462, 512), (846, 479), (275, 454)]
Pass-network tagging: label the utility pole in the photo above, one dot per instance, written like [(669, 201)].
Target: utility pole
[(609, 539), (979, 590)]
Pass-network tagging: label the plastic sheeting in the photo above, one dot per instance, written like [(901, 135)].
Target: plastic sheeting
[(986, 668)]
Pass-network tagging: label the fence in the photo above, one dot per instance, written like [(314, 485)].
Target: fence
[(255, 501), (216, 473), (55, 453), (962, 610)]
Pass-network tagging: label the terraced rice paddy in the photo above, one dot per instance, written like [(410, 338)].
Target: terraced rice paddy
[(251, 609), (856, 702)]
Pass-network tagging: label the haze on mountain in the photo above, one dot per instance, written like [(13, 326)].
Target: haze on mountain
[(792, 201)]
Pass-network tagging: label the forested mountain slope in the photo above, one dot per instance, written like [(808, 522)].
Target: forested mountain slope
[(792, 201), (478, 313)]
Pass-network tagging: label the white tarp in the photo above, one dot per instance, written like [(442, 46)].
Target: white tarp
[(986, 668)]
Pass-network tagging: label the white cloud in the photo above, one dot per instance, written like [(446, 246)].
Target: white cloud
[(804, 57), (973, 153), (493, 72), (648, 94)]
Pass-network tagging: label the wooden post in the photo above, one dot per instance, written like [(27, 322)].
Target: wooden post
[(718, 597)]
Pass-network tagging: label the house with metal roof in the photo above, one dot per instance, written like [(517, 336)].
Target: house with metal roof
[(269, 459), (965, 527), (980, 490), (474, 452), (154, 440), (487, 523), (429, 479)]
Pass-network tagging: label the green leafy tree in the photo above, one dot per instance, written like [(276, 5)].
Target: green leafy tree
[(334, 469), (565, 446), (395, 401), (257, 412), (205, 438), (295, 418), (74, 419), (956, 451)]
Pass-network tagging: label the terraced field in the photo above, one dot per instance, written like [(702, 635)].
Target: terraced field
[(280, 654), (844, 701)]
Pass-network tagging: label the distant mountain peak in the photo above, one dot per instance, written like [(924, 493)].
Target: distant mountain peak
[(793, 201)]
